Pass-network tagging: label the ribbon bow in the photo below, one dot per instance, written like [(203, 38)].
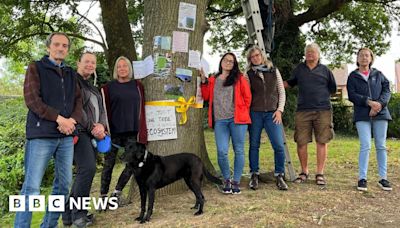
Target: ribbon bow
[(184, 106), (181, 106)]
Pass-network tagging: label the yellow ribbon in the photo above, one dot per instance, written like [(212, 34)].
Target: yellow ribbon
[(181, 106)]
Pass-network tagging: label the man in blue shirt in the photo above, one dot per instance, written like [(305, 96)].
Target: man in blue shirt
[(54, 101), (314, 110)]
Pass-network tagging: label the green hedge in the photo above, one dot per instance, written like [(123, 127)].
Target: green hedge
[(12, 141), (394, 108), (343, 117)]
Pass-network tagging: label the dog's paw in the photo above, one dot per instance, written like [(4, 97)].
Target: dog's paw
[(140, 218), (198, 213)]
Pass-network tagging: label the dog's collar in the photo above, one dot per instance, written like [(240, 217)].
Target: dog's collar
[(141, 164)]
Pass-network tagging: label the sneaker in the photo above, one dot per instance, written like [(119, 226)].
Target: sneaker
[(385, 185), (280, 183), (117, 194), (235, 187), (67, 222), (66, 218), (362, 185), (99, 209), (254, 181), (84, 221), (227, 189)]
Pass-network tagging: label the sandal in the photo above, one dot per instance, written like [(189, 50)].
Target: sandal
[(303, 177), (320, 179)]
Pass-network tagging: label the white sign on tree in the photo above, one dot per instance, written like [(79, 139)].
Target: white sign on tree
[(161, 123)]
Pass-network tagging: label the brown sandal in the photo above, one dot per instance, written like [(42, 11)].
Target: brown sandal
[(320, 179), (303, 177)]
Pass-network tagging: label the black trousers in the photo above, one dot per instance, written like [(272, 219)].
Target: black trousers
[(109, 162), (85, 163)]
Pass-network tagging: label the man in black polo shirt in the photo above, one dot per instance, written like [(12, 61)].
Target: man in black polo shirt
[(314, 111)]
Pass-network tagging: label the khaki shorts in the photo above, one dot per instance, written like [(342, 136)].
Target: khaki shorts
[(319, 121)]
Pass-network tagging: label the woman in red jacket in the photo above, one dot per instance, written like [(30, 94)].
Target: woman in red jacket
[(229, 96)]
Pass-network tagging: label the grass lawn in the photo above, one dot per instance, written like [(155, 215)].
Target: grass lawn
[(338, 204)]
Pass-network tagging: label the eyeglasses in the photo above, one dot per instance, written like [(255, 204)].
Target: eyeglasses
[(255, 56), (227, 61)]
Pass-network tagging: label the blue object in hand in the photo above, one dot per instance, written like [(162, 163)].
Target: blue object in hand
[(104, 145)]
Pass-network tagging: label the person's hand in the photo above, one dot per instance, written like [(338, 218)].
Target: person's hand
[(202, 75), (376, 107), (372, 113), (98, 131), (277, 117), (246, 77), (65, 126)]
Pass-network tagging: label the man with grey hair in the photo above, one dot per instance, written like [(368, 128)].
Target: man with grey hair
[(54, 101), (314, 110)]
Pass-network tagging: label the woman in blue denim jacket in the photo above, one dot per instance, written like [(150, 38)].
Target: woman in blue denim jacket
[(369, 90)]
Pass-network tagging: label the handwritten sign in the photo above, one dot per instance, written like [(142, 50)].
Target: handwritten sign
[(161, 123)]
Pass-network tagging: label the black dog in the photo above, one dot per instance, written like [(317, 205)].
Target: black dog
[(153, 172)]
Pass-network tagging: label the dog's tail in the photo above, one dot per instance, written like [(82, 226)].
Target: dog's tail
[(211, 177)]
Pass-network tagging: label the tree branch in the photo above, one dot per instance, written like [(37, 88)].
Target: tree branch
[(16, 40), (103, 44), (318, 10), (235, 12)]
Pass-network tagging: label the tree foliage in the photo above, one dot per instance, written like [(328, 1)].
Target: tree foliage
[(340, 27), (23, 23), (347, 24)]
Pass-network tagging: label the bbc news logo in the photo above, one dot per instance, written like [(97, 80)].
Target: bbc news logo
[(56, 203)]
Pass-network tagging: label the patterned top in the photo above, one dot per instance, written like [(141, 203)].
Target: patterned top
[(223, 100)]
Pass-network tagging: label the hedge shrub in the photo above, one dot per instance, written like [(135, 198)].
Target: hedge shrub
[(12, 141), (394, 108), (343, 117)]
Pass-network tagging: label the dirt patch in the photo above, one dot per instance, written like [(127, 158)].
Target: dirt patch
[(304, 205)]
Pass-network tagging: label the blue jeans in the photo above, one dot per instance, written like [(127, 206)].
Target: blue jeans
[(379, 129), (260, 120), (38, 153), (223, 130)]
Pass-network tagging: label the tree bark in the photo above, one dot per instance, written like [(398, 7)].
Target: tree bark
[(161, 19), (118, 31)]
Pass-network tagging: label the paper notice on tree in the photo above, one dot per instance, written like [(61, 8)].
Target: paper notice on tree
[(199, 97), (205, 66), (184, 74), (161, 123), (166, 42), (186, 16), (180, 41), (142, 69), (194, 59), (162, 42)]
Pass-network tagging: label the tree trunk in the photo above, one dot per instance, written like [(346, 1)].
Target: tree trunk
[(161, 19), (288, 51), (118, 31)]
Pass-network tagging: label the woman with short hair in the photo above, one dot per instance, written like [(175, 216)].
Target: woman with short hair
[(369, 90)]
